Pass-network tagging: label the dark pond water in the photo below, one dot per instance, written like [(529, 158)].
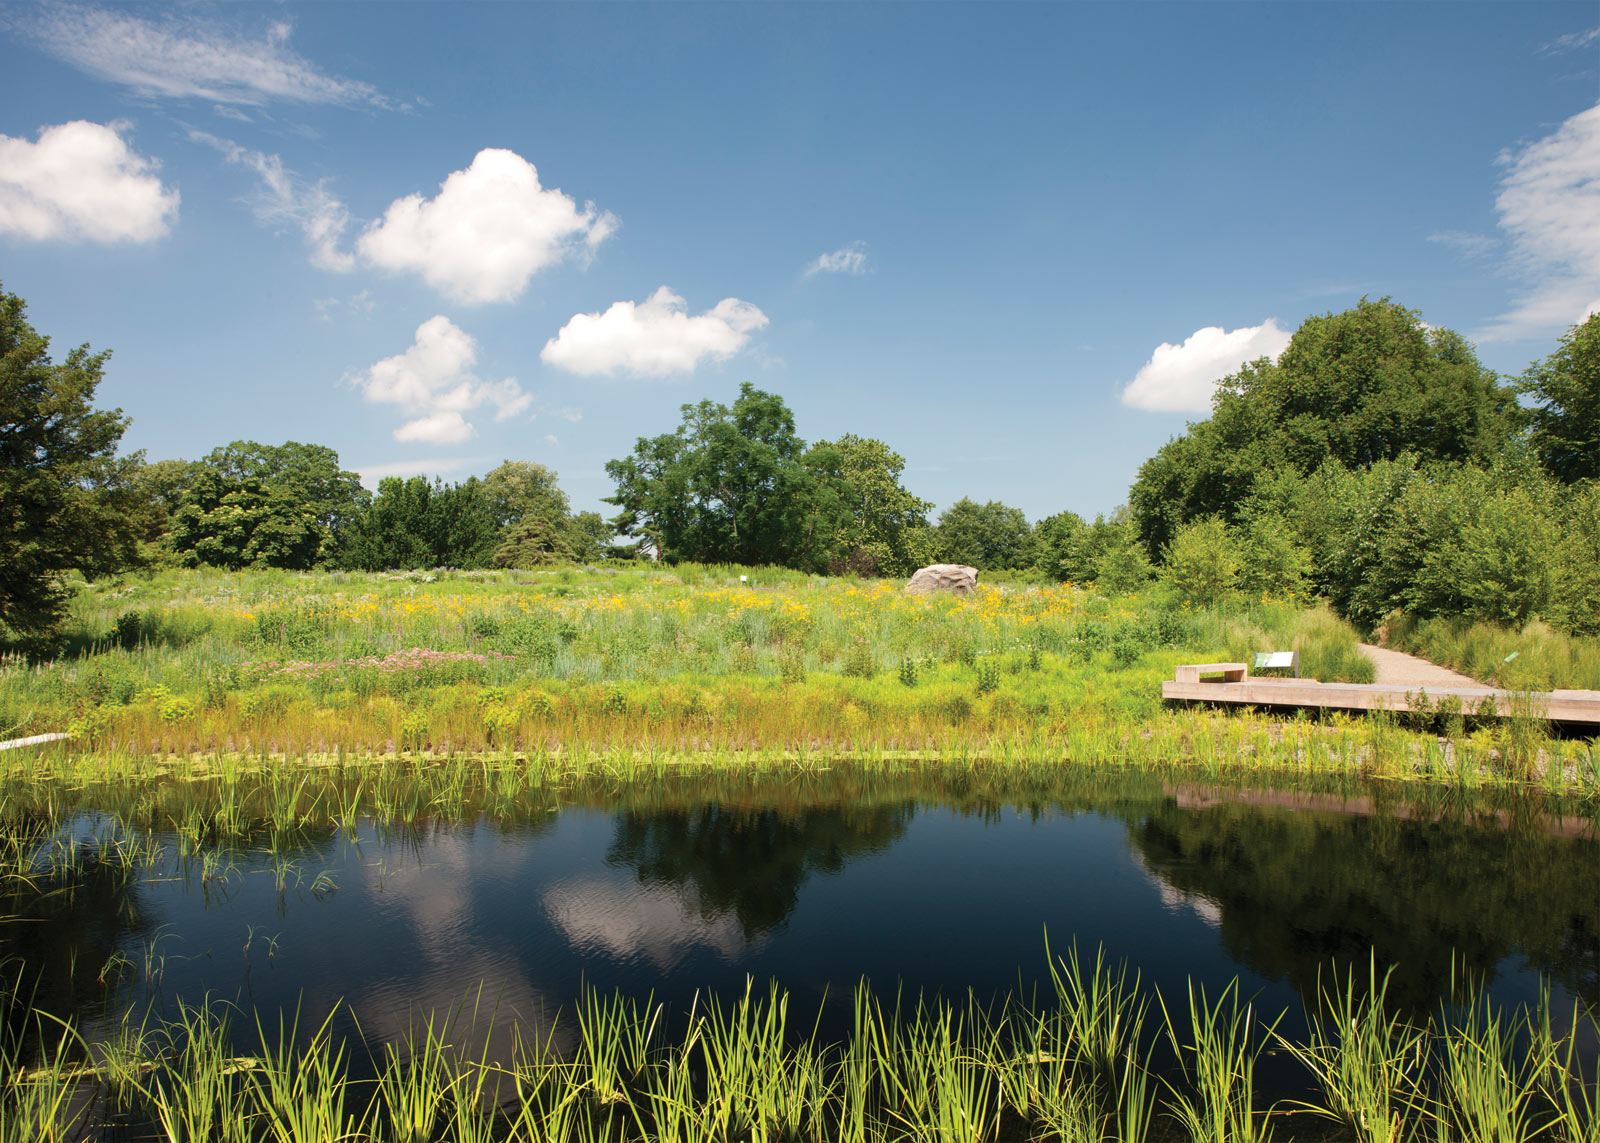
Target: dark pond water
[(912, 887)]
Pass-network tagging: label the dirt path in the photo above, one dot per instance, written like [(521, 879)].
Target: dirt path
[(1400, 669)]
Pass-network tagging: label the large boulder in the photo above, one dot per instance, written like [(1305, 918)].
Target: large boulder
[(957, 578)]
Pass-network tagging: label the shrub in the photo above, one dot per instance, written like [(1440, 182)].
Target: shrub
[(1202, 563), (858, 660)]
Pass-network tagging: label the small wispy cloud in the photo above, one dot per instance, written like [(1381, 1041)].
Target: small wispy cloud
[(287, 199), (1467, 243), (182, 56), (1571, 42), (357, 303), (550, 439), (851, 259), (1549, 205)]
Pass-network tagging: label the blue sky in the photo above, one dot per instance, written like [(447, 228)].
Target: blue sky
[(1016, 242)]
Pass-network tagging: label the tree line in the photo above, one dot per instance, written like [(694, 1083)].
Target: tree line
[(1375, 463), (1378, 464)]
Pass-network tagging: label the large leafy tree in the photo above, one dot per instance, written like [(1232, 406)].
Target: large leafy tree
[(244, 522), (728, 485), (414, 524), (1566, 423), (985, 536), (518, 489), (881, 529), (67, 502), (536, 522), (308, 472), (1351, 389)]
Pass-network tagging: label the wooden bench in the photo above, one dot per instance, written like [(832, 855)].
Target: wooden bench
[(1212, 673)]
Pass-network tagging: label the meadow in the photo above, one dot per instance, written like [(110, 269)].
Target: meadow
[(649, 666)]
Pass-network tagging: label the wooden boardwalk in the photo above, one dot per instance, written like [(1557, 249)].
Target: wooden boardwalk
[(1232, 683)]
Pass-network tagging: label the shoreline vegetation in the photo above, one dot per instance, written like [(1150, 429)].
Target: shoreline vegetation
[(1101, 1058)]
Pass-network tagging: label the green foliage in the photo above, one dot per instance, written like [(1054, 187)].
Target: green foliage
[(984, 536), (727, 486), (414, 524), (737, 485), (309, 473), (1500, 544), (519, 489), (67, 502), (1202, 563), (1120, 566), (236, 523), (589, 535), (988, 676), (532, 541), (884, 529), (859, 662), (1566, 424), (1351, 389), (1060, 543)]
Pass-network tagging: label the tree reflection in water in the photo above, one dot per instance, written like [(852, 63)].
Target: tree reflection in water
[(1300, 889), (750, 863)]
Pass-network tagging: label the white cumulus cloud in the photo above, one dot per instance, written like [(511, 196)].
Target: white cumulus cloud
[(851, 259), (1549, 206), (490, 228), (1182, 378), (286, 199), (180, 57), (433, 384), (653, 338), (81, 181)]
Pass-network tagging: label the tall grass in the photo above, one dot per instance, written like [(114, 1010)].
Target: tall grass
[(928, 1068), (1534, 657)]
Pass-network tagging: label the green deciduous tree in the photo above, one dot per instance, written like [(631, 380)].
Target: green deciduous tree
[(1353, 388), (67, 502), (881, 528), (727, 486), (985, 536), (1060, 545), (308, 472), (1566, 424), (1202, 562), (414, 524), (520, 493), (245, 522), (521, 488)]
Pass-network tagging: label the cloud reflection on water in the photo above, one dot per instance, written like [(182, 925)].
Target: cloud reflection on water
[(631, 921)]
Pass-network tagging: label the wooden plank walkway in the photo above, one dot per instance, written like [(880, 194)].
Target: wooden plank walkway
[(1232, 683)]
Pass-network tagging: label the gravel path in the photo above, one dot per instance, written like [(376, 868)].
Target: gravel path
[(1398, 668)]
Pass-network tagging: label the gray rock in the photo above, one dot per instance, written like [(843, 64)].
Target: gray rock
[(957, 578)]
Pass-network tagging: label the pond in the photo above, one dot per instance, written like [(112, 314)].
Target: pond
[(922, 883)]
